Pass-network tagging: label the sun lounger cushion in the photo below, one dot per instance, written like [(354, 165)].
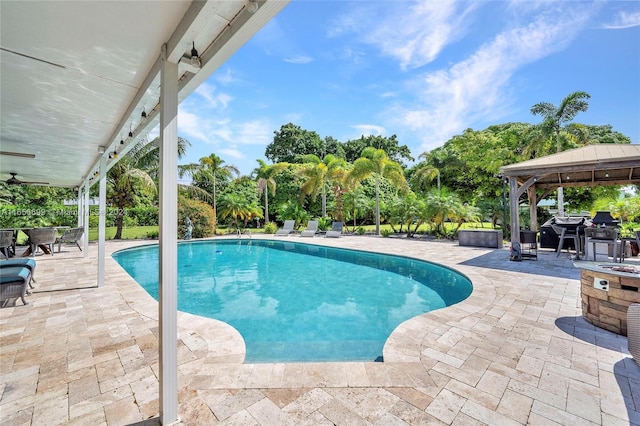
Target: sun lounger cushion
[(13, 283), (21, 262)]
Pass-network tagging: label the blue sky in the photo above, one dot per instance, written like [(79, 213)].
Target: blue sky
[(423, 70)]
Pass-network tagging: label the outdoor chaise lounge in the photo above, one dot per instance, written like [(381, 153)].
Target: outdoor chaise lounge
[(287, 228), (13, 284), (336, 230), (71, 236), (22, 262), (312, 229)]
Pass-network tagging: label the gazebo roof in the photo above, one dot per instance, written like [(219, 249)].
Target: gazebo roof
[(592, 165)]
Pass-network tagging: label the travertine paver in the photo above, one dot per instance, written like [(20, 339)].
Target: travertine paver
[(515, 352)]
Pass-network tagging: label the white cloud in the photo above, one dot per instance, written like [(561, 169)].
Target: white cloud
[(233, 153), (369, 130), (190, 125), (472, 89), (299, 59), (214, 99), (412, 32), (225, 78), (624, 19), (256, 132)]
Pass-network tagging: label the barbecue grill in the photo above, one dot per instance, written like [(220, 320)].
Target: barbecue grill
[(604, 219)]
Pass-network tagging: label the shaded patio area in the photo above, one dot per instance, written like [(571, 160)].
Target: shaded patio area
[(517, 351)]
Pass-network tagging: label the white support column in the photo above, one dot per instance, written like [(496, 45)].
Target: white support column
[(85, 219), (168, 240), (102, 218), (80, 206)]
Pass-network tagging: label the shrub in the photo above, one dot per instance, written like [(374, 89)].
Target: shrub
[(324, 224), (385, 232), (144, 216), (270, 228), (360, 230), (201, 215), (153, 235)]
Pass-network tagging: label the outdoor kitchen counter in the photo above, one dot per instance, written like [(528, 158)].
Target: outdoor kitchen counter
[(607, 290)]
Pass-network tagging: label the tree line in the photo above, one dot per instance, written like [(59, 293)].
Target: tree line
[(361, 181)]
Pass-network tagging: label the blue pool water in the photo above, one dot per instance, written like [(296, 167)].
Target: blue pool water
[(301, 302)]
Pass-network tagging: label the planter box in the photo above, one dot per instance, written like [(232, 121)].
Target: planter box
[(480, 237)]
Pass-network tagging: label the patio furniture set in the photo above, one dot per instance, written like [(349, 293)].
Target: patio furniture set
[(17, 274), (311, 230)]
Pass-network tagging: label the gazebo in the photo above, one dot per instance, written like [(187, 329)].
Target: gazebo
[(592, 165)]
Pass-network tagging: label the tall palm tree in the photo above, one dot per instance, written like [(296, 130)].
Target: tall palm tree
[(125, 183), (147, 154), (375, 162), (205, 174), (553, 119), (320, 176), (134, 174), (266, 183)]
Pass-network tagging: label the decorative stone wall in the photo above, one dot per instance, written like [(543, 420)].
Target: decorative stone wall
[(608, 308)]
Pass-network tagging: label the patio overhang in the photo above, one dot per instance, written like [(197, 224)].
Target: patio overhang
[(592, 165), (76, 76), (84, 81)]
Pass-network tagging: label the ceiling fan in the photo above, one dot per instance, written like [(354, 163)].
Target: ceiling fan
[(13, 180), (17, 154)]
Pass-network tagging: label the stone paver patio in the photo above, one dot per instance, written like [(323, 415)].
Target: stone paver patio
[(517, 351)]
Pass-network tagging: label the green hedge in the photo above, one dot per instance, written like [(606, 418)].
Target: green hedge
[(23, 216)]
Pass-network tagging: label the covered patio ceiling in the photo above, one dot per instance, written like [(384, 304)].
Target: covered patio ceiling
[(77, 75)]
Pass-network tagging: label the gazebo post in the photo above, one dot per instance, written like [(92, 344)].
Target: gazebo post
[(513, 209), (533, 207)]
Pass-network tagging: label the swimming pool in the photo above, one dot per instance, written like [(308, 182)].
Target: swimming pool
[(301, 302)]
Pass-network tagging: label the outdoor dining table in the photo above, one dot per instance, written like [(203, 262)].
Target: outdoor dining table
[(24, 229)]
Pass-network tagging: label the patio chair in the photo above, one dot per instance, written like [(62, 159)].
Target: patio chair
[(6, 243), (43, 238), (564, 234), (287, 228), (312, 229), (70, 236), (13, 284), (336, 230), (608, 236)]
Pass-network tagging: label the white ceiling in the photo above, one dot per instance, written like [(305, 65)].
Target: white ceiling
[(76, 75)]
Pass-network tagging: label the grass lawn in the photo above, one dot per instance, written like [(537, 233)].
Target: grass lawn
[(129, 233)]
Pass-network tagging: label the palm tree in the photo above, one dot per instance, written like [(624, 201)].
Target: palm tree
[(441, 205), (125, 183), (205, 173), (319, 177), (238, 208), (426, 172), (376, 162), (553, 118), (357, 204), (134, 174), (266, 183), (147, 154)]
